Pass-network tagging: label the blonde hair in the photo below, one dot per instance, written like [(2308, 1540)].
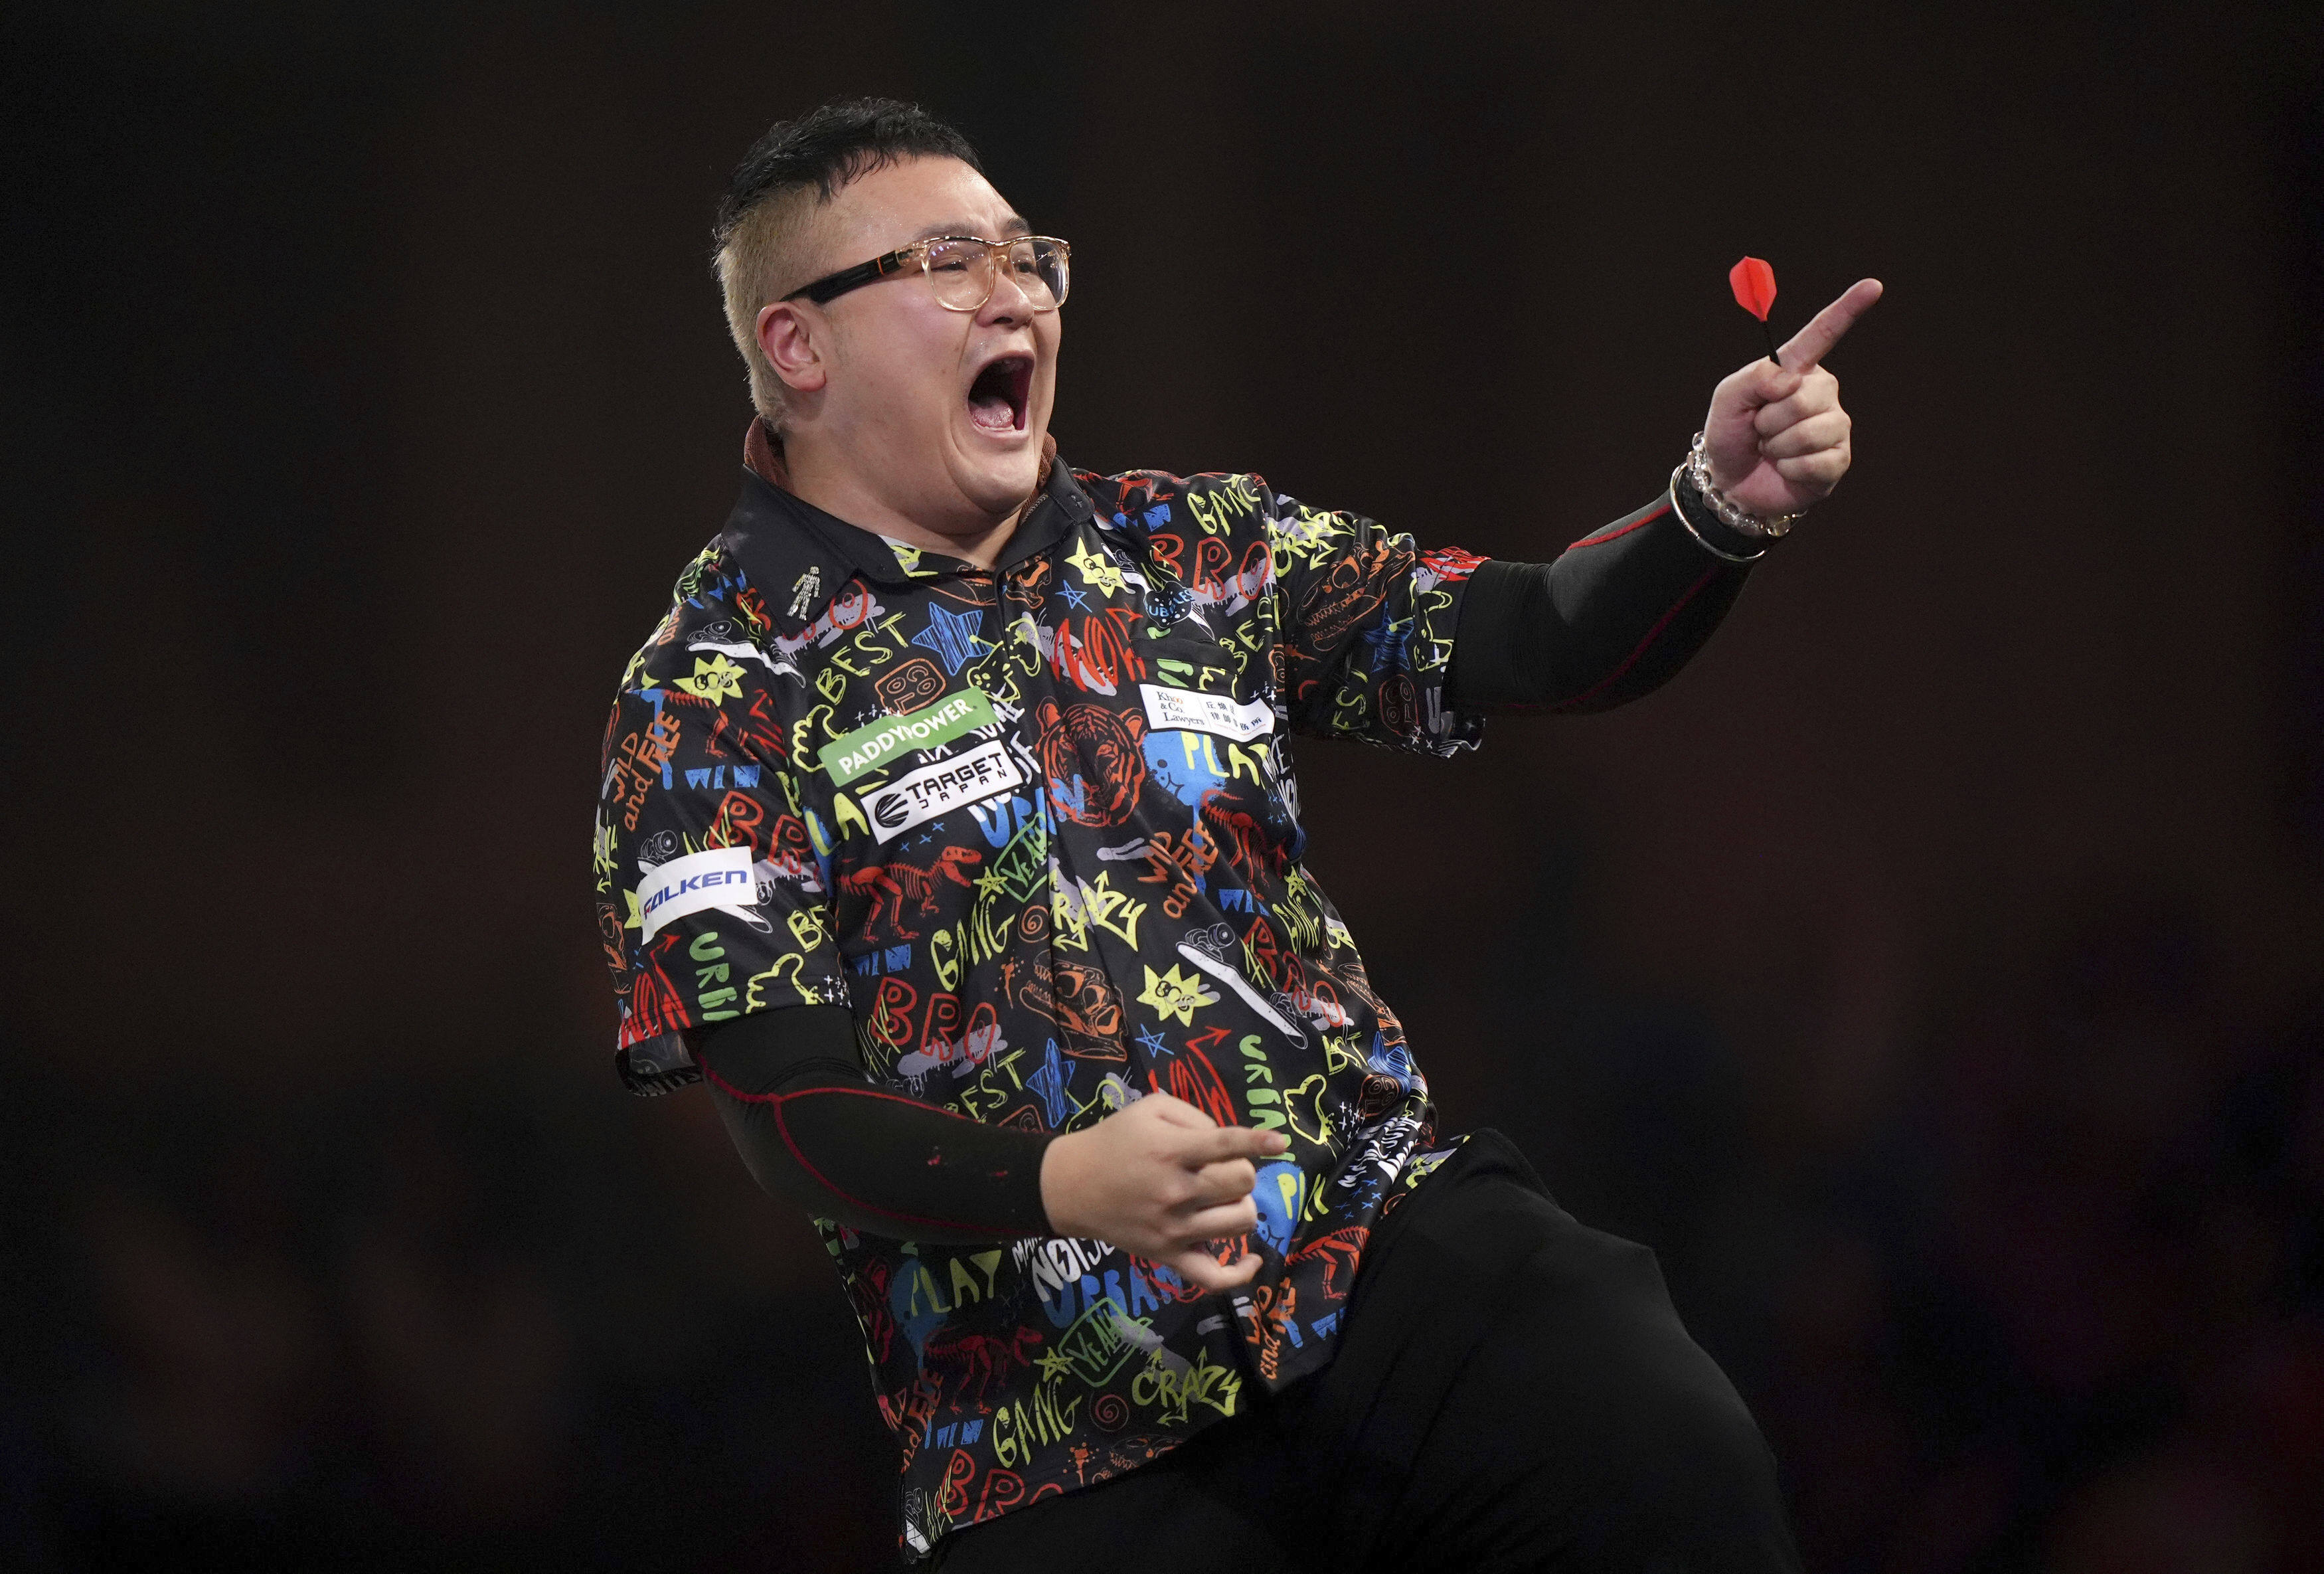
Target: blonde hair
[(759, 262), (768, 217)]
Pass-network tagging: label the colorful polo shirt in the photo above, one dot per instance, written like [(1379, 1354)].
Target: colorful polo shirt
[(1038, 828)]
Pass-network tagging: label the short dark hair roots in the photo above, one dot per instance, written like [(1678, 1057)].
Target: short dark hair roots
[(830, 146)]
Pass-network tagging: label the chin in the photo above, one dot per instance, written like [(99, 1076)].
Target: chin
[(1000, 488), (998, 481)]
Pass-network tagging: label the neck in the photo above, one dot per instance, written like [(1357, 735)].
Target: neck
[(839, 493)]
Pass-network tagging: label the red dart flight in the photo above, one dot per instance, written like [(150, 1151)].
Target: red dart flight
[(1754, 283)]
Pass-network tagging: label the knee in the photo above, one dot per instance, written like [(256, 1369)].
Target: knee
[(1698, 1428), (1602, 1335), (1651, 1461), (1667, 1440), (1695, 1484)]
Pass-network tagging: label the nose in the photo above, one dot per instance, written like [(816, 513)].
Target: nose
[(1011, 301)]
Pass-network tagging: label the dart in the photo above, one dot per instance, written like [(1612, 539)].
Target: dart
[(1754, 283)]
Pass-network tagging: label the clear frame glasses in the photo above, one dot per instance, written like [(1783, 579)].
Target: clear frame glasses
[(964, 271)]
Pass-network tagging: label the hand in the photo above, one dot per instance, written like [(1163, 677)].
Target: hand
[(1159, 1179), (1776, 437)]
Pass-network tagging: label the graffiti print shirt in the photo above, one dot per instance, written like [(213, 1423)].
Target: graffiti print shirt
[(1037, 827)]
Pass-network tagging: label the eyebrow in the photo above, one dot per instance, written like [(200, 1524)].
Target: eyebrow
[(1012, 225)]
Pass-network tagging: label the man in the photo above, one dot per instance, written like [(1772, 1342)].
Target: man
[(949, 830)]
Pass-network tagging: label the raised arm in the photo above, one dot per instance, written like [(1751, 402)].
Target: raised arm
[(1619, 611)]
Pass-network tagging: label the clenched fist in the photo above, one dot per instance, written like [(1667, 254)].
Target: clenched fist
[(1157, 1179)]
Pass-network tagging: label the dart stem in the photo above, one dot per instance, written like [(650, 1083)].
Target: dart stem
[(1768, 328)]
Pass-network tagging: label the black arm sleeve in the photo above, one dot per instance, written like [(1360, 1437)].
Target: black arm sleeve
[(813, 1130), (1612, 617)]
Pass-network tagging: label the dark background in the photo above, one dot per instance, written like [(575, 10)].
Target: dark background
[(1931, 973)]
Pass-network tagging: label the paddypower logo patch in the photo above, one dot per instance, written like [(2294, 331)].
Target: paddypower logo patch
[(868, 748)]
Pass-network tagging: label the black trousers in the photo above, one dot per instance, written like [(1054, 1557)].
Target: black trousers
[(1512, 1391)]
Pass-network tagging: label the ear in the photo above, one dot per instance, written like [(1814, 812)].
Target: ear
[(1047, 715), (1136, 724), (787, 337)]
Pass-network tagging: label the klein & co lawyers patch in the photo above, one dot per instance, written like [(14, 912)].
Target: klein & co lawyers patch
[(1184, 711)]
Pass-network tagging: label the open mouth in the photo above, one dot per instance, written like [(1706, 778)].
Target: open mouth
[(998, 398)]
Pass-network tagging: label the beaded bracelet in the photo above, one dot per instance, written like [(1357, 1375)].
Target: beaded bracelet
[(1679, 474), (1731, 513)]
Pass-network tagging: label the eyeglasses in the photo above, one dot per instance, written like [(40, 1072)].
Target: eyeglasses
[(964, 270)]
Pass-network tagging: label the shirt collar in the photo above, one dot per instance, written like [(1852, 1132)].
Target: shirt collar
[(799, 557)]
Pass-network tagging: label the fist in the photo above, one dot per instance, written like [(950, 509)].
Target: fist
[(1160, 1179), (1776, 437)]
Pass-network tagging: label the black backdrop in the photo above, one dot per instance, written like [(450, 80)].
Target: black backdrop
[(1931, 973)]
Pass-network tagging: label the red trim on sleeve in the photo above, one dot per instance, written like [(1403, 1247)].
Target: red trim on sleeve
[(1653, 635), (775, 1102), (1600, 540)]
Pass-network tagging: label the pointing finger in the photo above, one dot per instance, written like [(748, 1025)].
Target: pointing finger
[(1809, 346), (1223, 1181), (1176, 1112), (1229, 1142)]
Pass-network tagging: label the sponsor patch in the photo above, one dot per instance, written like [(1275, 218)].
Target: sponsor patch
[(720, 879), (868, 748), (1184, 710), (935, 789)]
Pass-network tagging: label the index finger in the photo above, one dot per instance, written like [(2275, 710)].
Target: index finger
[(1173, 1111), (1808, 348), (1229, 1142)]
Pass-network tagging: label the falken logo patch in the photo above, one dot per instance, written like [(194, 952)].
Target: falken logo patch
[(1221, 714), (719, 878), (868, 748), (935, 789)]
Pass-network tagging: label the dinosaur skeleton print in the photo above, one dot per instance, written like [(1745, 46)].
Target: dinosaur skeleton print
[(1037, 827)]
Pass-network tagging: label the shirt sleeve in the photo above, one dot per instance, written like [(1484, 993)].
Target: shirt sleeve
[(712, 901), (1612, 617), (811, 1129), (1364, 628)]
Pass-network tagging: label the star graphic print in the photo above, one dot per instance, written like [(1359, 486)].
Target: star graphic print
[(1037, 827)]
